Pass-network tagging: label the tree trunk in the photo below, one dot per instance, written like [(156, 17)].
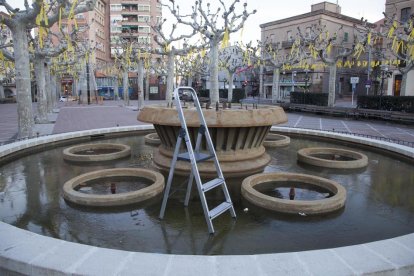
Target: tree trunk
[(404, 84), (125, 87), (92, 85), (170, 78), (75, 87), (57, 82), (332, 84), (23, 91), (116, 88), (140, 84), (214, 84), (39, 66), (261, 81), (48, 89), (190, 81), (147, 84), (276, 87), (83, 85), (230, 89), (2, 96)]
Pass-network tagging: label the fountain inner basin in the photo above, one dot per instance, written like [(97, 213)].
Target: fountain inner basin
[(376, 200)]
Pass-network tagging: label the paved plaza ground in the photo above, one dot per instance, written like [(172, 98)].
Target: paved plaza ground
[(70, 116)]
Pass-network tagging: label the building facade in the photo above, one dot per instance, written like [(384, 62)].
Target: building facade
[(403, 10), (283, 32), (131, 20), (95, 35)]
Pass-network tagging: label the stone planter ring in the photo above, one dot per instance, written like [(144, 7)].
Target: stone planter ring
[(152, 139), (71, 195), (333, 158), (308, 207), (96, 152), (273, 140)]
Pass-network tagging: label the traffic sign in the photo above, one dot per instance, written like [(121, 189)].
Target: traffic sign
[(354, 80)]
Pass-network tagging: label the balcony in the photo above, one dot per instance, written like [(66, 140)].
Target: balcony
[(287, 44)]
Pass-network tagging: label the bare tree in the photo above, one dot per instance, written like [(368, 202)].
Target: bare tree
[(168, 48), (329, 49), (399, 37), (206, 22), (231, 59), (20, 22)]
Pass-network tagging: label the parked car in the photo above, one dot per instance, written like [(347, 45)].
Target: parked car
[(184, 93), (63, 99)]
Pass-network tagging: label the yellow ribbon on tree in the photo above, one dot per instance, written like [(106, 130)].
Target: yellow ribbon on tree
[(226, 37), (60, 18), (369, 38)]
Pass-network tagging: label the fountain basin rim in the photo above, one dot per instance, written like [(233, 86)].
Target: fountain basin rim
[(161, 115), (27, 252)]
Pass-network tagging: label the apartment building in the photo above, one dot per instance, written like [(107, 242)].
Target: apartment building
[(283, 32), (95, 35), (403, 10), (132, 19)]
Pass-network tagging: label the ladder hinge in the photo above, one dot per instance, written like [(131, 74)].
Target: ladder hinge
[(182, 133), (202, 129)]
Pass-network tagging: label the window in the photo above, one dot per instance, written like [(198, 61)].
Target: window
[(143, 18), (289, 36), (346, 36), (79, 16), (116, 7), (143, 29), (308, 32), (159, 7), (144, 8), (116, 18), (159, 19), (405, 14), (144, 39), (116, 29)]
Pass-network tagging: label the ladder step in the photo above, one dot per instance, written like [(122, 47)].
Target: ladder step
[(200, 157), (213, 213), (212, 184)]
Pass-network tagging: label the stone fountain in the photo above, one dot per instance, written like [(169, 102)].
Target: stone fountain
[(237, 134)]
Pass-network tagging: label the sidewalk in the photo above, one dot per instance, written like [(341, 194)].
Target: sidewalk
[(74, 117)]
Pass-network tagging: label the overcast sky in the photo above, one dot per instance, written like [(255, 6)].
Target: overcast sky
[(270, 10)]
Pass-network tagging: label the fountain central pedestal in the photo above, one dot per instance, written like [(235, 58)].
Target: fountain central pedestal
[(237, 134)]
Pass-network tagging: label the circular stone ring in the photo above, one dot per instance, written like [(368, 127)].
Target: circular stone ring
[(120, 151), (276, 140), (152, 139), (309, 156), (70, 194), (309, 207)]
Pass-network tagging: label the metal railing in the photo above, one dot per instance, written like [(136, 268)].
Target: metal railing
[(380, 138)]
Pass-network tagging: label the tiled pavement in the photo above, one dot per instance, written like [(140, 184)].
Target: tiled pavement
[(74, 117)]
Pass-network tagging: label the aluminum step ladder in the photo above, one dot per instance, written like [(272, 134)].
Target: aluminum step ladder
[(194, 156)]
